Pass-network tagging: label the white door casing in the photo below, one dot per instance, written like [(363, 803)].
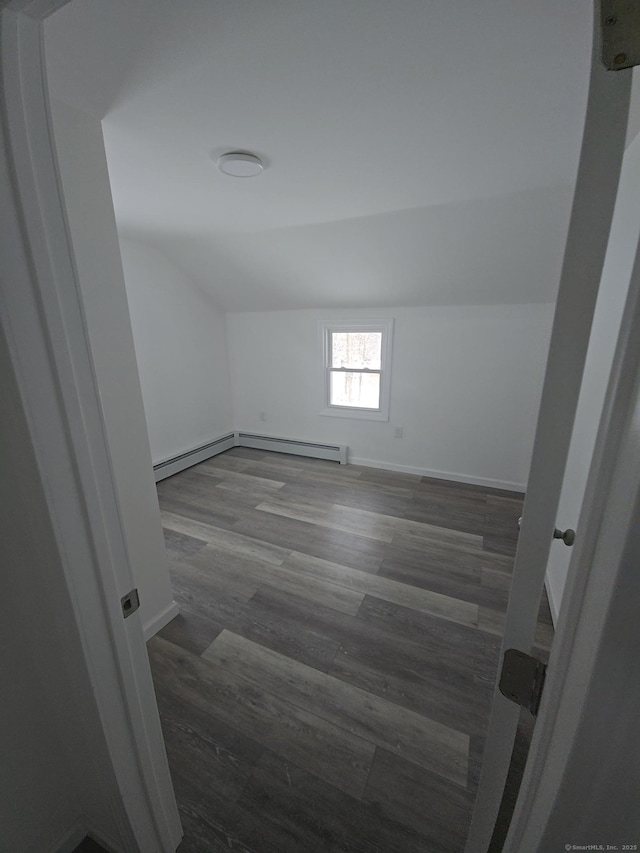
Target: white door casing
[(582, 782), (45, 329), (592, 213)]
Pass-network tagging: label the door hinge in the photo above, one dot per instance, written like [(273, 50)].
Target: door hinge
[(620, 28), (522, 679), (130, 603)]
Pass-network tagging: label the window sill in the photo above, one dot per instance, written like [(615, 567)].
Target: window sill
[(356, 414)]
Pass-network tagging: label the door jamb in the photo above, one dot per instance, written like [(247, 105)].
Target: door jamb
[(594, 200), (607, 550), (46, 334)]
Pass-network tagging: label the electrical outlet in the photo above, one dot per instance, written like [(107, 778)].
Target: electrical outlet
[(262, 416), (398, 431)]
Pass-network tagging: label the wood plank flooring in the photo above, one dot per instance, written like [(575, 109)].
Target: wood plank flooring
[(327, 684)]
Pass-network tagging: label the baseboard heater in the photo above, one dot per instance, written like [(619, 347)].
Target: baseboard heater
[(333, 452), (192, 457)]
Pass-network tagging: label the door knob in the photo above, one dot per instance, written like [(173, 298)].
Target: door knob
[(568, 536)]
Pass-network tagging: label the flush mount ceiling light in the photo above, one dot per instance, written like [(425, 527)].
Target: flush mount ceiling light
[(240, 164)]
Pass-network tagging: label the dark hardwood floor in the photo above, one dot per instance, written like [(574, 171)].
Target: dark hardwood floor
[(328, 682)]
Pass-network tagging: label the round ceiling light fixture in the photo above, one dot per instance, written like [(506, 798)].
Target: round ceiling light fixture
[(240, 164)]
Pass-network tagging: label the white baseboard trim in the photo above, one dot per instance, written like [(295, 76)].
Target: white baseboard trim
[(313, 449), (70, 840), (440, 475), (102, 840), (75, 835), (157, 623), (554, 606), (184, 460)]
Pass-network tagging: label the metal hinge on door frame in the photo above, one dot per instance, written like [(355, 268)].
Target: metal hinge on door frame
[(522, 679), (620, 27)]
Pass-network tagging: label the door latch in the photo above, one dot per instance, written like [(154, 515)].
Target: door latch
[(522, 679), (130, 603)]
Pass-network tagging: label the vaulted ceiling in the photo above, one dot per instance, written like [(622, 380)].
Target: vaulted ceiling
[(418, 151)]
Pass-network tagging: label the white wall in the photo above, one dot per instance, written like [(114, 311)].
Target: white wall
[(606, 325), (87, 193), (466, 385), (181, 347)]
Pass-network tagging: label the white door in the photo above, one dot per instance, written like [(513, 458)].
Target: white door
[(594, 201)]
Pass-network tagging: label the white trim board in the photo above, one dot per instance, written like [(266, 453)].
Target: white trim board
[(339, 453), (586, 246), (75, 836), (115, 753), (441, 475), (157, 623), (69, 841), (174, 464), (554, 605)]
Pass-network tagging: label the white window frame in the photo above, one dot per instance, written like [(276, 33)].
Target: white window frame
[(327, 327)]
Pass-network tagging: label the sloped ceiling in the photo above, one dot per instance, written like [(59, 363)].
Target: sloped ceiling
[(417, 152)]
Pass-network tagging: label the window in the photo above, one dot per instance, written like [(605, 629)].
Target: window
[(356, 358)]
